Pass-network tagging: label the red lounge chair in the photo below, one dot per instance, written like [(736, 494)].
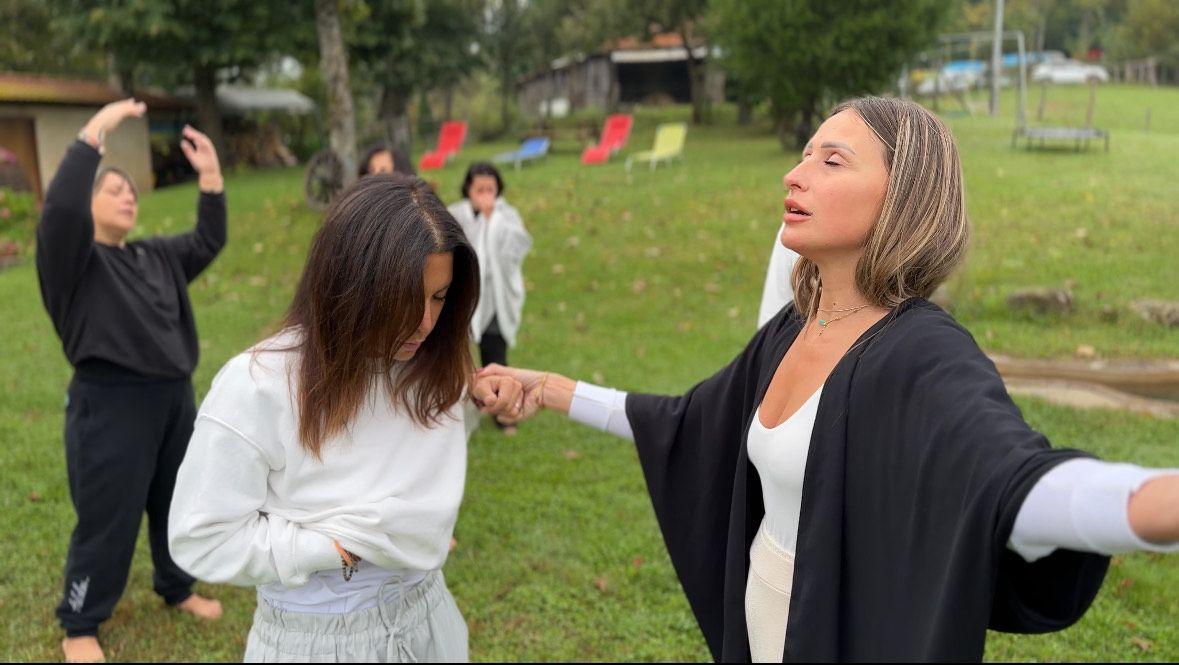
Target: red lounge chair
[(614, 135), (450, 140)]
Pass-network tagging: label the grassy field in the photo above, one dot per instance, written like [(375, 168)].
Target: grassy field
[(649, 282)]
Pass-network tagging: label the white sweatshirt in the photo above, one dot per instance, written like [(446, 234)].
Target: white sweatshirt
[(252, 507)]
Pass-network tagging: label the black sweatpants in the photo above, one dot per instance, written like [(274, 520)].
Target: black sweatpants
[(124, 442), (493, 348)]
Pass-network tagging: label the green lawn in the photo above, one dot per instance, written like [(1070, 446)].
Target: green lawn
[(643, 282)]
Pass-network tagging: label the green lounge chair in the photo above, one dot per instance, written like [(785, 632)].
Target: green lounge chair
[(669, 144)]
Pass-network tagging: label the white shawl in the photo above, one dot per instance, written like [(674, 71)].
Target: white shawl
[(501, 243)]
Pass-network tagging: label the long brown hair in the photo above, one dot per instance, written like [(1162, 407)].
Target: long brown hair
[(923, 232), (361, 297)]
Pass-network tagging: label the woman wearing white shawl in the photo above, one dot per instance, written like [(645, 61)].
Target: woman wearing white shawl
[(496, 231)]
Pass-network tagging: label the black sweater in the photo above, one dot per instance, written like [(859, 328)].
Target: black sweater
[(919, 462), (124, 306)]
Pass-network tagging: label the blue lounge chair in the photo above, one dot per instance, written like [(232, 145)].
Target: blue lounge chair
[(530, 149)]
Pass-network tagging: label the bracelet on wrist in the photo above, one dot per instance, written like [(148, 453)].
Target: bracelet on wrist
[(349, 562), (543, 380), (99, 141)]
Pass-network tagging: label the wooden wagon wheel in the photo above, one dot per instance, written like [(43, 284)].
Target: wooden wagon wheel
[(324, 179)]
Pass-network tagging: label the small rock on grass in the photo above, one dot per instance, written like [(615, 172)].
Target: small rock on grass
[(1162, 312), (1041, 301)]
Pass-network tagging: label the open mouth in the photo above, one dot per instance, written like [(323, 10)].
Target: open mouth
[(793, 208), (795, 212)]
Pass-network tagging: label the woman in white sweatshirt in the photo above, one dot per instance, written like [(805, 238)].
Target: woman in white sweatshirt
[(328, 461)]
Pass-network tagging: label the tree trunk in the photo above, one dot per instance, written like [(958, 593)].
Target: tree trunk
[(394, 113), (802, 133), (448, 102), (784, 124), (119, 75), (695, 79), (505, 98), (552, 94), (333, 64), (204, 79), (744, 109), (425, 114), (1083, 38)]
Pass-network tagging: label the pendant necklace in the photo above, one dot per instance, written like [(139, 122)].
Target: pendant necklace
[(823, 323)]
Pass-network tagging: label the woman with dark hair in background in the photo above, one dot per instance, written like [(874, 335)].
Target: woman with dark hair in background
[(501, 242), (380, 158), (122, 311), (328, 461)]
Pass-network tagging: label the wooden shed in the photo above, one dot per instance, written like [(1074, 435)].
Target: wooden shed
[(41, 115), (624, 72)]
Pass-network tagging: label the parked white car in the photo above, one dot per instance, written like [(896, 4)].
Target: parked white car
[(1069, 71)]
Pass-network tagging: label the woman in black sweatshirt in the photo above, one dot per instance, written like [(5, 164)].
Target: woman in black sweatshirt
[(123, 315)]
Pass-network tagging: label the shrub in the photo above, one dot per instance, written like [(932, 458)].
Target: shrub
[(18, 221)]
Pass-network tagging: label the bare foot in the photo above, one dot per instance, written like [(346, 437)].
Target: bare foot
[(453, 544), (83, 649), (201, 607), (510, 430)]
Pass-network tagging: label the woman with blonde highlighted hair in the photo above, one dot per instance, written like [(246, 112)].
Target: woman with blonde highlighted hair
[(857, 484)]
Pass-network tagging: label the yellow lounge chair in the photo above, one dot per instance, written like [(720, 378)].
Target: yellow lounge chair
[(669, 144)]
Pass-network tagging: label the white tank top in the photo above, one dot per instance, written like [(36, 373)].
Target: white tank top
[(779, 455)]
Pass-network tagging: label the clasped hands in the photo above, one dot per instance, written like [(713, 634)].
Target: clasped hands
[(509, 394)]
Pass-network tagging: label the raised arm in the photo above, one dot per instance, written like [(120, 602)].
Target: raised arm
[(65, 234), (197, 248)]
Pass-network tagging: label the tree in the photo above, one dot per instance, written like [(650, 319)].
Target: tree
[(1072, 26), (333, 63), (32, 45), (509, 45), (174, 42), (1149, 28), (408, 47), (802, 54)]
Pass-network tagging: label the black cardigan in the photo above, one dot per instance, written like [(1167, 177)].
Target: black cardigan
[(918, 465), (124, 306)]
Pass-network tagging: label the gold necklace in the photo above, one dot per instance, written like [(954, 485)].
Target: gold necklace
[(848, 309), (823, 323)]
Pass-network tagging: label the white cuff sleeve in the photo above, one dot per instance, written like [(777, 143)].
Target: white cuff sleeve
[(601, 408), (1083, 505)]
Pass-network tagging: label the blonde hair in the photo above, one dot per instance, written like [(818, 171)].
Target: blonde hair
[(923, 232)]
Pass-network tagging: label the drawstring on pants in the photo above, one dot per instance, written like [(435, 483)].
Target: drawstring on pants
[(397, 647)]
